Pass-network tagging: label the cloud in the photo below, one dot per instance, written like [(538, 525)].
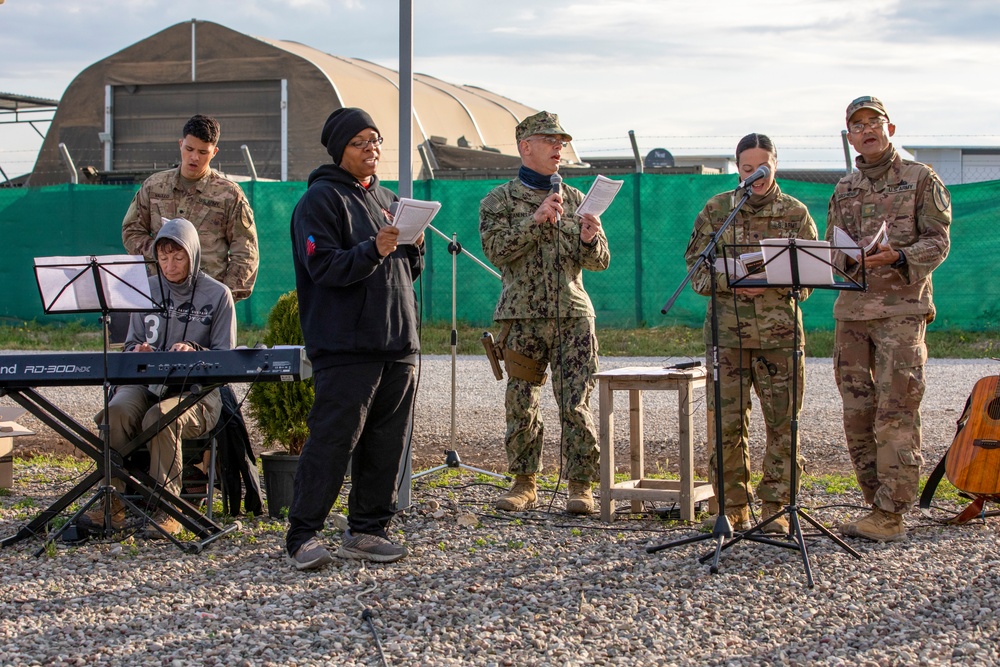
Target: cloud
[(675, 72)]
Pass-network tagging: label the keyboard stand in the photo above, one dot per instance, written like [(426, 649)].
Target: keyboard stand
[(90, 444)]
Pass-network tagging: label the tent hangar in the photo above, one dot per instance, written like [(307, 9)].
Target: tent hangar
[(122, 116)]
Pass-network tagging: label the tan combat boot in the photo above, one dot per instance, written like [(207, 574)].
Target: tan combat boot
[(94, 518), (738, 515), (581, 498), (522, 496), (879, 526), (780, 525)]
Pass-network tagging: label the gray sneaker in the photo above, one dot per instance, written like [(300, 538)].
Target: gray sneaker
[(311, 555), (370, 547)]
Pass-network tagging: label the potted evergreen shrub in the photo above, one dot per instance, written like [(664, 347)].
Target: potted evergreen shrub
[(280, 409)]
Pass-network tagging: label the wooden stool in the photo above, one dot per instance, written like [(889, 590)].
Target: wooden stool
[(685, 491)]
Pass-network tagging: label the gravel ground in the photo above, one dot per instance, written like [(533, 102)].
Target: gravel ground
[(540, 588)]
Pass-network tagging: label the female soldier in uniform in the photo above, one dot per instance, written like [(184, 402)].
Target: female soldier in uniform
[(755, 338)]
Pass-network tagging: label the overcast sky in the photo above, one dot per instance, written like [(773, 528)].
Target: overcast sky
[(689, 75)]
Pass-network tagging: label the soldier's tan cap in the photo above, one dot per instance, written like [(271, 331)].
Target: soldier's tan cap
[(866, 102), (542, 122)]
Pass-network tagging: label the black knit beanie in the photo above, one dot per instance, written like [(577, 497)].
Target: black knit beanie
[(342, 126)]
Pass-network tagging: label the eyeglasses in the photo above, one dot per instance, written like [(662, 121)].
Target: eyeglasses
[(362, 144), (551, 141), (875, 123)]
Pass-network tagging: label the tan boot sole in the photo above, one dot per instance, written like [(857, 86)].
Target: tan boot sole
[(508, 506)]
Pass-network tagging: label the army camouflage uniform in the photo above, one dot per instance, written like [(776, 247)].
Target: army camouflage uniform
[(219, 211), (755, 347), (551, 320), (880, 352)]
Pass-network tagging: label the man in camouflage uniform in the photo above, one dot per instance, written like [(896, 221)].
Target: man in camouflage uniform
[(880, 350), (756, 340), (215, 205), (542, 247)]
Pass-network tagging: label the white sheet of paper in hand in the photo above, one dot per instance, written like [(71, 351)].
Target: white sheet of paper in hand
[(412, 218), (846, 244), (602, 192)]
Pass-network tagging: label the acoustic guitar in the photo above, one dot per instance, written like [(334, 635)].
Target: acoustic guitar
[(973, 461)]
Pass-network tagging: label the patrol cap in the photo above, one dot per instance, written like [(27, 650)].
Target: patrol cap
[(866, 102), (542, 122)]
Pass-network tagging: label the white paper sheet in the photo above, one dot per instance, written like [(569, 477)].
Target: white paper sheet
[(412, 218), (68, 284), (812, 257), (602, 192)]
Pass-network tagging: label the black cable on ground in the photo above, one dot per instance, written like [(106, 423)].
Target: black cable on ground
[(366, 616), (367, 613)]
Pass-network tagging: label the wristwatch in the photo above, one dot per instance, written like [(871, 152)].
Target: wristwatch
[(901, 262)]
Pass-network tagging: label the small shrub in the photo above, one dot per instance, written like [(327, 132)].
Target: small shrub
[(281, 408)]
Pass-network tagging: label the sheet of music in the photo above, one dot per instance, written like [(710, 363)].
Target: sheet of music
[(68, 284)]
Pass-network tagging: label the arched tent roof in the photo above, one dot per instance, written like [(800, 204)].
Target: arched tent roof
[(125, 112)]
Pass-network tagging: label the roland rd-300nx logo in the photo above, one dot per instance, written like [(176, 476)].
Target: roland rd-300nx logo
[(45, 369)]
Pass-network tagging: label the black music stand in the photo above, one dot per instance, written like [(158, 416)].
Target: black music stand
[(794, 263), (105, 284)]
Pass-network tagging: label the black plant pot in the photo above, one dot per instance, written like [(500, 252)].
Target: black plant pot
[(279, 481)]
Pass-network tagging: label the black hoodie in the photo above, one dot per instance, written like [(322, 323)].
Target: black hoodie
[(354, 306)]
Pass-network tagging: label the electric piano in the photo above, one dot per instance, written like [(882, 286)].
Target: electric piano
[(71, 369), (196, 373)]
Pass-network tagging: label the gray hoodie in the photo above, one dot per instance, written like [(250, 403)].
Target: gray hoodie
[(200, 309)]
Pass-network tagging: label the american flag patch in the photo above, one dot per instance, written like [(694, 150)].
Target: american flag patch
[(310, 246)]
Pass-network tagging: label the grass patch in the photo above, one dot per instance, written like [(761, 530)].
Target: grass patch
[(831, 483), (436, 339), (55, 461), (944, 492)]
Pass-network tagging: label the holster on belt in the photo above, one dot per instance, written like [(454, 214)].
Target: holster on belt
[(518, 365), (524, 368), (494, 353)]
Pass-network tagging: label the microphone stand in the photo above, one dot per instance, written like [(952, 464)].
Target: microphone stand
[(722, 529), (452, 459)]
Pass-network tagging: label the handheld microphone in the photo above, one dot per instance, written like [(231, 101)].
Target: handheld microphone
[(393, 207), (556, 181), (763, 171)]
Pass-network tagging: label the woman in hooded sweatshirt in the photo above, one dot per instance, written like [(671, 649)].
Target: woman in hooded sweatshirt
[(198, 315)]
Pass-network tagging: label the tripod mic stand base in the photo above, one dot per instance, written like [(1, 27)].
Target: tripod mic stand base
[(795, 541), (452, 460)]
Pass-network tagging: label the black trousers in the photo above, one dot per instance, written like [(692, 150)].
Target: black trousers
[(361, 414)]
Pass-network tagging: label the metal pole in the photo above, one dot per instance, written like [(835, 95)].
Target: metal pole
[(248, 160), (68, 161), (405, 98), (847, 152), (635, 152), (405, 483)]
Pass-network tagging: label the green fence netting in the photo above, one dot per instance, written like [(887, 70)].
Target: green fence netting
[(647, 226)]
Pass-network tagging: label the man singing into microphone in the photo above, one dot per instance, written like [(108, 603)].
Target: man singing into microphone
[(530, 231)]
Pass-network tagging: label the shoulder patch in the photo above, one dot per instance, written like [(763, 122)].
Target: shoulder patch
[(942, 198), (847, 194)]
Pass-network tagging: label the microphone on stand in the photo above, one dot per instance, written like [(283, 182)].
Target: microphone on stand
[(763, 171)]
